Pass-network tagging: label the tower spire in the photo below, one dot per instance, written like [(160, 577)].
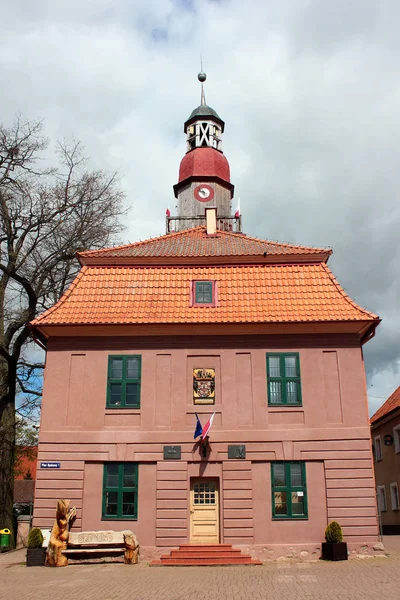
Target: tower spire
[(202, 77)]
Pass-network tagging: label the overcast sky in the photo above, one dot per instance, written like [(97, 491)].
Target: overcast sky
[(309, 91)]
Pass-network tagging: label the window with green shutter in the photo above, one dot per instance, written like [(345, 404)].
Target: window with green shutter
[(123, 386), (120, 491), (289, 490), (283, 377)]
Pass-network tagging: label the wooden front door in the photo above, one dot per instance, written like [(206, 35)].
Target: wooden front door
[(204, 511)]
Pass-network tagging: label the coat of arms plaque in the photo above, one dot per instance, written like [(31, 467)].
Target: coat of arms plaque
[(204, 386)]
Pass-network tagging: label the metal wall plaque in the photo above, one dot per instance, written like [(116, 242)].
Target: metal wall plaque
[(50, 465), (172, 452), (237, 451)]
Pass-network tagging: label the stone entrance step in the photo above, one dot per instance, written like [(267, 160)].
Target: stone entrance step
[(204, 555)]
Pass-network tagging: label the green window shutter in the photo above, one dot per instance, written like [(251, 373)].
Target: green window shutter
[(120, 491), (289, 490), (203, 292), (283, 379), (124, 380)]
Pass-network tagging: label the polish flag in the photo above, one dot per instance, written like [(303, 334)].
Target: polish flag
[(207, 426), (237, 213), (168, 212)]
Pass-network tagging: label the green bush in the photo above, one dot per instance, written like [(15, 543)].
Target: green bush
[(35, 538), (333, 533)]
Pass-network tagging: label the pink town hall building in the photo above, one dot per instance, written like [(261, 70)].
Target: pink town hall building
[(207, 320)]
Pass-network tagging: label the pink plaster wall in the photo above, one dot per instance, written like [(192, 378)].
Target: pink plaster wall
[(330, 432)]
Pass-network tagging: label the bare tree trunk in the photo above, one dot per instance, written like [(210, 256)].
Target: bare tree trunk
[(7, 444)]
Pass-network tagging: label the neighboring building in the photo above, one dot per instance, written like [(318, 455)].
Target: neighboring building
[(208, 320), (385, 433), (25, 475)]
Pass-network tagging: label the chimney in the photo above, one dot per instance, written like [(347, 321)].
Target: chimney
[(211, 220)]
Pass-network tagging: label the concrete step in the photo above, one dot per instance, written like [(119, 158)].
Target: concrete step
[(204, 555)]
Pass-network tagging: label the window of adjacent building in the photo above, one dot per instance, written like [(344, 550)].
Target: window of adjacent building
[(396, 437), (394, 496), (120, 491), (289, 492), (203, 292), (378, 447), (123, 387), (381, 493), (283, 374)]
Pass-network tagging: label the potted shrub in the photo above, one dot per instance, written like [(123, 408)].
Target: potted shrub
[(35, 554), (334, 548)]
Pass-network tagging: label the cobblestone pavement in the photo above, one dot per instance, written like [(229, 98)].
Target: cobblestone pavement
[(357, 579)]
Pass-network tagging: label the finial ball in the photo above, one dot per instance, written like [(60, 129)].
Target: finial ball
[(201, 76)]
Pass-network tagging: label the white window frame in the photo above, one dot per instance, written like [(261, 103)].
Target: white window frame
[(394, 496), (378, 444), (382, 504), (396, 437)]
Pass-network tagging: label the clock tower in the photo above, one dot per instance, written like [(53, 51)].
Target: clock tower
[(204, 174)]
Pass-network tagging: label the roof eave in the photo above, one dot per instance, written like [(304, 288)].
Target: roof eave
[(183, 261)]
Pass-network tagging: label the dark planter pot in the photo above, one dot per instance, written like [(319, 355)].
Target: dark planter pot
[(35, 557), (336, 551)]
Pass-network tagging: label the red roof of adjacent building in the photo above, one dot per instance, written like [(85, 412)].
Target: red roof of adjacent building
[(204, 162), (195, 244), (387, 407), (27, 462)]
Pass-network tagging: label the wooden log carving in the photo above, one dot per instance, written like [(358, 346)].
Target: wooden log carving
[(59, 535), (131, 555)]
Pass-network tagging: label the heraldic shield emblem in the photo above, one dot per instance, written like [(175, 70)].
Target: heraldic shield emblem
[(204, 386)]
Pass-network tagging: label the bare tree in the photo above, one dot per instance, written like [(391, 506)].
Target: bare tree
[(46, 214)]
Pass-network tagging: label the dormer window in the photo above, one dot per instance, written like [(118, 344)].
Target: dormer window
[(203, 293)]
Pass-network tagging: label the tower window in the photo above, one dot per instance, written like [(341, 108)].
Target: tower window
[(203, 293)]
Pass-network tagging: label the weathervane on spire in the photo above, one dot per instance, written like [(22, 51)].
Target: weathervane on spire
[(202, 77)]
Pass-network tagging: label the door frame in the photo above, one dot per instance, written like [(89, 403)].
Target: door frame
[(217, 480)]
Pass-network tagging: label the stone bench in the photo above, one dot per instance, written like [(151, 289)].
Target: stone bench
[(88, 544)]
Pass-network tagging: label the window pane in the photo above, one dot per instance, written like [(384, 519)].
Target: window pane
[(297, 503), (112, 476), (111, 503), (275, 392), (132, 394), (280, 503), (290, 366), (291, 392), (204, 292), (132, 368), (296, 475), (279, 475), (128, 503), (116, 368), (115, 393), (129, 475), (274, 366)]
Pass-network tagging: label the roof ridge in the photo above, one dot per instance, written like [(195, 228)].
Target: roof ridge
[(283, 244), (192, 230), (75, 282), (345, 294), (140, 242)]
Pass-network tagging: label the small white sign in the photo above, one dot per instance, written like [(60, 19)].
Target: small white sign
[(300, 494)]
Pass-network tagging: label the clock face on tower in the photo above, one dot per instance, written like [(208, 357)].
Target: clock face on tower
[(204, 193)]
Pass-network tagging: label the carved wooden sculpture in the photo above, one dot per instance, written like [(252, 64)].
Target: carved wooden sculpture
[(131, 556), (59, 535)]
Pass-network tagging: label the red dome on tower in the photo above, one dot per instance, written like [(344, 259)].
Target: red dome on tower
[(204, 162)]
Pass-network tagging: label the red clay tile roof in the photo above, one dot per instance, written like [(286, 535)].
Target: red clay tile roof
[(195, 243), (246, 294), (391, 403)]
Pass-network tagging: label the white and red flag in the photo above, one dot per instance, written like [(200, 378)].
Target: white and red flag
[(207, 426), (168, 212), (237, 213)]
